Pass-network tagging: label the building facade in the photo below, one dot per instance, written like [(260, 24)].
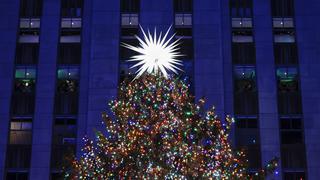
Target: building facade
[(61, 62)]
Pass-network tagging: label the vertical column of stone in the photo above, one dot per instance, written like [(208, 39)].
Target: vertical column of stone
[(104, 60), (9, 13), (45, 91), (306, 16), (266, 82), (84, 74), (208, 60), (154, 13)]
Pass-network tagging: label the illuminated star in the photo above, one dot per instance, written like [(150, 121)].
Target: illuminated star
[(156, 54)]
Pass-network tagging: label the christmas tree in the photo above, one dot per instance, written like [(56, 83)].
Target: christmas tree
[(158, 132)]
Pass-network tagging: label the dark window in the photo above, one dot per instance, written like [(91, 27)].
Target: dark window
[(294, 176), (64, 140), (282, 8), (289, 97), (131, 6), (69, 53), (57, 176), (17, 176), (129, 32), (183, 5), (293, 156), (247, 136), (241, 8), (21, 132), (27, 53), (285, 53), (126, 72), (30, 8), (71, 8), (245, 91), (66, 100), (291, 131), (18, 156), (126, 53), (184, 32), (186, 48), (243, 53)]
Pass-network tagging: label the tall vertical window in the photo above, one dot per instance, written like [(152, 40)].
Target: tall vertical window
[(129, 18), (241, 8), (64, 140), (30, 8), (282, 8), (19, 147), (289, 99), (24, 91), (66, 100)]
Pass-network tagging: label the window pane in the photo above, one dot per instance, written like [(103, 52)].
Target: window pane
[(242, 36), (284, 36), (130, 6), (183, 5)]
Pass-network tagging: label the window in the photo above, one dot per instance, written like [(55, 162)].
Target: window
[(69, 53), (183, 20), (242, 22), (29, 36), (132, 6), (293, 156), (66, 100), (29, 23), (285, 53), (247, 136), (291, 131), (245, 92), (183, 32), (241, 8), (129, 20), (21, 131), (27, 53), (18, 156), (289, 98), (129, 32), (30, 8), (186, 48), (295, 175), (283, 23), (127, 73), (284, 36), (183, 6), (70, 36), (282, 8), (126, 53), (71, 8), (242, 36), (17, 176), (24, 88), (64, 140), (243, 53), (71, 23)]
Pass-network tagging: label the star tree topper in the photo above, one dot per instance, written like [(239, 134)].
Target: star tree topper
[(156, 54)]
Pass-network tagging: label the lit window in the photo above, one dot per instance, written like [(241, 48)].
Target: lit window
[(71, 23), (29, 36), (284, 36), (283, 23), (242, 22), (183, 19), (287, 79), (21, 132), (129, 20), (245, 78), (25, 79), (242, 36), (29, 23)]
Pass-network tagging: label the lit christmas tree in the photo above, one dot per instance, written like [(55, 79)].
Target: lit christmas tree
[(159, 132)]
